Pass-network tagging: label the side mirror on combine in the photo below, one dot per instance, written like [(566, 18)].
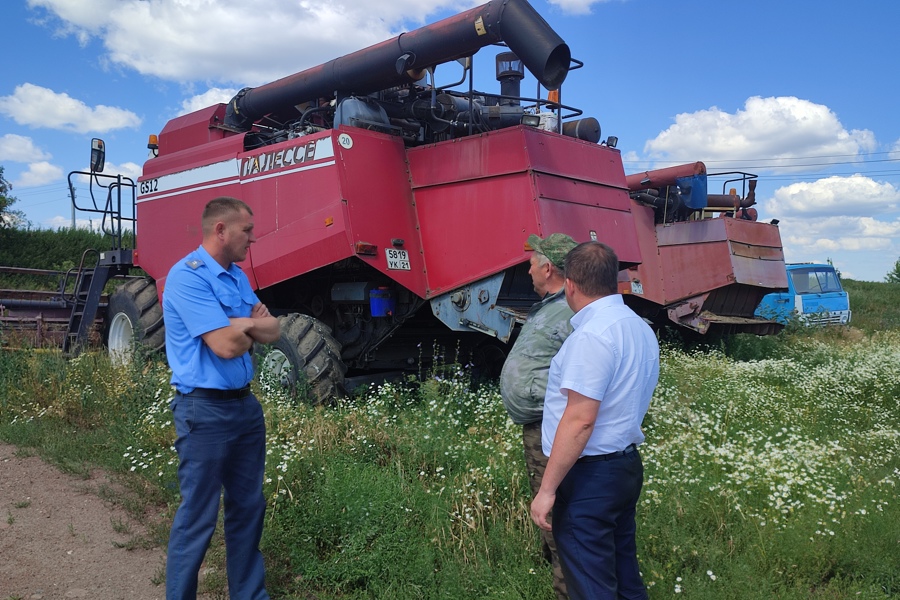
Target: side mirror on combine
[(98, 155)]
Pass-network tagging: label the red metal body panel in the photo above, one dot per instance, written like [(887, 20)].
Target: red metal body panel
[(578, 160), (696, 257), (715, 252), (478, 198), (197, 162), (649, 272), (300, 220), (475, 157), (474, 228), (375, 184), (204, 155), (472, 204), (183, 133), (291, 187)]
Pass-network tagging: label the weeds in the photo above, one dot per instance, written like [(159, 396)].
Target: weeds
[(120, 526)]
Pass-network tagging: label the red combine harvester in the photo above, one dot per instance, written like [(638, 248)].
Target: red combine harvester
[(392, 209)]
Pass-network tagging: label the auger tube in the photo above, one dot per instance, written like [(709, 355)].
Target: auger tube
[(402, 59)]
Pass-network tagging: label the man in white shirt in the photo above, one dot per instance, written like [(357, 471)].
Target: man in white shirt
[(599, 390)]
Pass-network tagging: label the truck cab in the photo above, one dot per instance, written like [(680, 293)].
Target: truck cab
[(814, 296)]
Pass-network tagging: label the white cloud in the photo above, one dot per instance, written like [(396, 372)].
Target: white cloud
[(38, 106), (831, 196), (38, 173), (855, 221), (635, 162), (779, 128), (576, 7), (18, 148), (210, 97), (862, 247), (129, 169), (196, 40), (82, 19), (59, 222)]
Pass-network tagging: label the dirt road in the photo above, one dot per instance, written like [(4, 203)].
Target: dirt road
[(60, 540)]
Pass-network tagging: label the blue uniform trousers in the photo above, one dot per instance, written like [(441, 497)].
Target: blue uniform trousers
[(221, 443), (594, 528)]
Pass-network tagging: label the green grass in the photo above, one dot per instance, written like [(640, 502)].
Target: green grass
[(780, 470), (770, 476), (874, 305)]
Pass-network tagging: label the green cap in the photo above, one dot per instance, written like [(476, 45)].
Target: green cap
[(555, 247)]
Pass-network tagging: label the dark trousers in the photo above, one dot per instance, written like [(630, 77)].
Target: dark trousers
[(220, 444), (594, 528), (536, 463)]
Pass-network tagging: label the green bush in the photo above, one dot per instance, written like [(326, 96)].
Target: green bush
[(48, 249), (53, 250)]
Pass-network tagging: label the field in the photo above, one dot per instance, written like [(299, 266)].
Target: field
[(771, 472)]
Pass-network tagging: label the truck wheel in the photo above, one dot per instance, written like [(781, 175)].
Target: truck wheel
[(134, 315), (306, 349)]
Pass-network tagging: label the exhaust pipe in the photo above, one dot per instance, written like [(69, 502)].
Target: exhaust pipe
[(663, 177), (402, 59)]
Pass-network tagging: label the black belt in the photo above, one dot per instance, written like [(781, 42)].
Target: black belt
[(586, 459), (219, 394)]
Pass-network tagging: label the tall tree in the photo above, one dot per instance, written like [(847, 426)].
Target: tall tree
[(893, 275), (8, 217)]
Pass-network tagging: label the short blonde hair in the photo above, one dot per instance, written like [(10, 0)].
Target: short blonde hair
[(218, 208)]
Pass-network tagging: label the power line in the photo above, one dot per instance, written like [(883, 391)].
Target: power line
[(44, 202), (862, 154), (737, 163), (785, 170), (823, 164), (59, 191), (892, 173)]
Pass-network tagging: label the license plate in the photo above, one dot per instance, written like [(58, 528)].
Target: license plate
[(398, 260)]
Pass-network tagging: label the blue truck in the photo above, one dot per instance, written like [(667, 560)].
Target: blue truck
[(814, 296)]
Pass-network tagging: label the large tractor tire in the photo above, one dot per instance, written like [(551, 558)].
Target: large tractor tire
[(134, 316), (306, 354)]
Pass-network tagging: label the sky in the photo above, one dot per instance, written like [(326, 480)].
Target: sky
[(803, 93)]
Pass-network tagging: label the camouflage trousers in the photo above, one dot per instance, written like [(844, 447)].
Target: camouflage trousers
[(536, 462)]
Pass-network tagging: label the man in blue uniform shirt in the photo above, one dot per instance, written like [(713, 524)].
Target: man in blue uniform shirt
[(212, 318), (598, 392)]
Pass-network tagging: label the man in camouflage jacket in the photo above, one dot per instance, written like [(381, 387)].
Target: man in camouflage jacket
[(523, 380)]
